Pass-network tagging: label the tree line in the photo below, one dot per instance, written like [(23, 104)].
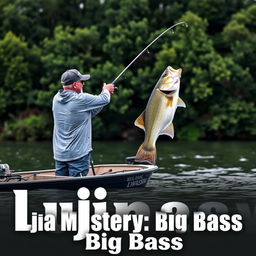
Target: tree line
[(41, 39)]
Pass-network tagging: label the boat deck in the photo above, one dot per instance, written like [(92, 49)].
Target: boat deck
[(50, 174), (107, 176)]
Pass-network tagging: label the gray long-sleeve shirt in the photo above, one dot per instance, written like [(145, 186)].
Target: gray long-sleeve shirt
[(72, 113)]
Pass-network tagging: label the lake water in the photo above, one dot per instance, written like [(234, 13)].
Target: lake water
[(195, 173), (190, 170)]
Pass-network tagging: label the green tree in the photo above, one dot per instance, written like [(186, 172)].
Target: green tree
[(236, 117), (126, 40), (24, 18), (115, 117), (35, 20), (163, 13), (240, 38), (123, 11), (18, 63), (204, 71), (43, 38), (217, 12), (69, 48)]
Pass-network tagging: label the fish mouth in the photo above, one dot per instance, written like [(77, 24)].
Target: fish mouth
[(172, 70), (168, 92)]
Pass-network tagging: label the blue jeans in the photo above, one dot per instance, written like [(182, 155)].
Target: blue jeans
[(75, 168)]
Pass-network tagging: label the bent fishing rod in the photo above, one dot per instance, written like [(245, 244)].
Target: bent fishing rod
[(173, 26)]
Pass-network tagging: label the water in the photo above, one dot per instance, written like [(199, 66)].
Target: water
[(187, 170), (194, 173)]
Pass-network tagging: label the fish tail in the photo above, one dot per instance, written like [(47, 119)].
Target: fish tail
[(146, 155)]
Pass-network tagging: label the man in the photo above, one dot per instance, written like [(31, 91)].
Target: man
[(72, 113)]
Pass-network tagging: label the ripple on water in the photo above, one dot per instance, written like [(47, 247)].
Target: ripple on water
[(203, 157), (177, 157), (217, 171), (243, 159), (195, 169), (221, 181), (182, 165)]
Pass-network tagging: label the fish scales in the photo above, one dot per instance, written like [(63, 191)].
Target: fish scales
[(159, 113)]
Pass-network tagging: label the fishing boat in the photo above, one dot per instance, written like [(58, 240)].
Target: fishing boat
[(105, 175)]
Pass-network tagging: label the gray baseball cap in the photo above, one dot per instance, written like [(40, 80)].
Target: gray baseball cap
[(71, 76)]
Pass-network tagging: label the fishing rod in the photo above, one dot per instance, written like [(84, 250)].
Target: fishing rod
[(177, 24)]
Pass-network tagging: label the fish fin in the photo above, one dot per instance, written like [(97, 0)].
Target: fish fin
[(181, 103), (139, 122), (146, 155), (169, 130)]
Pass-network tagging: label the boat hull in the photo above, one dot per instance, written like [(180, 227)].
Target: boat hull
[(121, 179)]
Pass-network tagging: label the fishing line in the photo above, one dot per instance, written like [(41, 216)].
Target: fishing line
[(177, 24)]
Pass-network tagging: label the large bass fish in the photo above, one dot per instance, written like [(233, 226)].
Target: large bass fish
[(157, 118)]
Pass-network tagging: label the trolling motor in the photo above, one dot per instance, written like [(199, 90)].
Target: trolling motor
[(4, 170), (6, 174)]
